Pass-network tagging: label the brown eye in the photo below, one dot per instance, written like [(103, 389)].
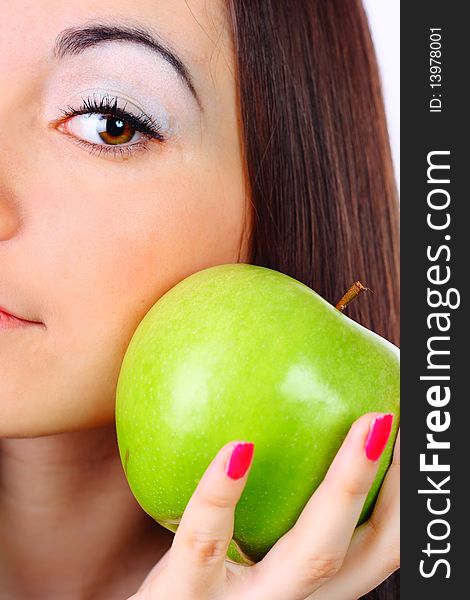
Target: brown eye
[(115, 131), (102, 130)]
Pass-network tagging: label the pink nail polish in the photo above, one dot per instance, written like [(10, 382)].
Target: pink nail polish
[(240, 460), (377, 438)]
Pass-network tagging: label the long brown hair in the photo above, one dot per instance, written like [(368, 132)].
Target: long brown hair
[(318, 158)]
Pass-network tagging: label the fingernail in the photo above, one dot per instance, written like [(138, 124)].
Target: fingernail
[(377, 438), (240, 460)]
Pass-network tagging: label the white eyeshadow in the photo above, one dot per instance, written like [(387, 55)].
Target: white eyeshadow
[(131, 73), (156, 112)]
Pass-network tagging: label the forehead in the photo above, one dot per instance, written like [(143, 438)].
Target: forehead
[(196, 29)]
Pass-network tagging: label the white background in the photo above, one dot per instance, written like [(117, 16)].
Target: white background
[(384, 21)]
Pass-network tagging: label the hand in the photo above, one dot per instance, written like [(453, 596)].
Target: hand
[(374, 552), (323, 557)]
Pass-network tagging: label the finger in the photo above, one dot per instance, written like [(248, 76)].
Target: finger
[(196, 562), (313, 550), (374, 552)]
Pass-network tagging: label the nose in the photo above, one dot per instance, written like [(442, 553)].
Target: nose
[(9, 217)]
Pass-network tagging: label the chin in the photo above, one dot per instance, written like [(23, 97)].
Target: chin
[(24, 427), (33, 424), (36, 405)]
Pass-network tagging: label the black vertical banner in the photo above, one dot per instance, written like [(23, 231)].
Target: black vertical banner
[(435, 498)]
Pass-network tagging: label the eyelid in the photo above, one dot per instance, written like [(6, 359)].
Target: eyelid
[(152, 107), (122, 152), (108, 106)]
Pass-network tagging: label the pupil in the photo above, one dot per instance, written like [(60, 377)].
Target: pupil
[(115, 126)]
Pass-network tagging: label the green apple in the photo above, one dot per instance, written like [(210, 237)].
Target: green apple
[(242, 352)]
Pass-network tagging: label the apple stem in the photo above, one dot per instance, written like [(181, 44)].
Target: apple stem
[(354, 291)]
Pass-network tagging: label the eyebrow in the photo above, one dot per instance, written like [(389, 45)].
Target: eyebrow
[(74, 40)]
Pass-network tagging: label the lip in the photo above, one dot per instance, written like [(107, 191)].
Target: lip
[(9, 320)]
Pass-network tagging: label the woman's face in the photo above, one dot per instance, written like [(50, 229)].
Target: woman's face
[(91, 238)]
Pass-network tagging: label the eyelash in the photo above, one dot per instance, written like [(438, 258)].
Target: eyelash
[(108, 106)]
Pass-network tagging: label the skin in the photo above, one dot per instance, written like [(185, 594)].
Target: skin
[(88, 243)]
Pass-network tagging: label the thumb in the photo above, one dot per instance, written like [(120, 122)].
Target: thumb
[(197, 556)]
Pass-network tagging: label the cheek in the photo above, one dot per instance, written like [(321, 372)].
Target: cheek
[(102, 256), (111, 264), (134, 255), (117, 252)]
